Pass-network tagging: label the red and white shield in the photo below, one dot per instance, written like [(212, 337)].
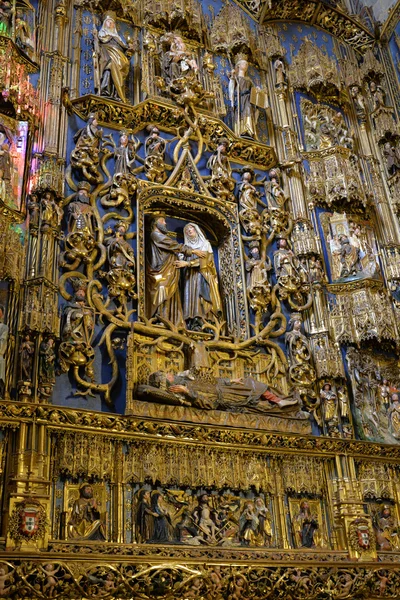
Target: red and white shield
[(29, 522), (363, 536)]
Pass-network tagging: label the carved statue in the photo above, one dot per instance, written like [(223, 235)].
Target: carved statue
[(249, 197), (245, 114), (77, 333), (155, 151), (256, 268), (26, 352), (205, 518), (221, 182), (23, 35), (248, 524), (6, 11), (304, 526), (144, 517), (387, 529), (162, 273), (280, 72), (329, 403), (316, 270), (52, 213), (112, 52), (299, 353), (5, 171), (274, 192), (177, 61), (378, 94), (349, 257), (85, 155), (34, 210), (3, 349), (81, 224), (121, 259), (383, 397), (162, 526), (392, 156), (201, 297), (85, 521), (394, 416), (125, 155), (47, 357), (236, 395), (358, 100)]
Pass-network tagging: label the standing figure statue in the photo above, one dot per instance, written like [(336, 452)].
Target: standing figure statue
[(249, 196), (80, 240), (221, 182), (112, 52), (154, 147), (162, 273), (301, 371), (26, 352), (245, 114), (3, 349), (387, 529), (85, 155), (201, 297), (304, 526), (125, 154), (280, 72), (85, 521), (47, 357), (392, 156), (177, 61)]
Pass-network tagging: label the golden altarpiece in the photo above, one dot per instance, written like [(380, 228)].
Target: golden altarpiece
[(199, 300)]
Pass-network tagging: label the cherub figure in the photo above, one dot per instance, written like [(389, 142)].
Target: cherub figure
[(51, 581)]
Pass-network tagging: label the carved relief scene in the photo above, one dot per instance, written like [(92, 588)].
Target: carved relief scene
[(199, 300)]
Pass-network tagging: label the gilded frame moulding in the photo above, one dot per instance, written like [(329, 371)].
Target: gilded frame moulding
[(172, 580), (127, 427), (169, 117)]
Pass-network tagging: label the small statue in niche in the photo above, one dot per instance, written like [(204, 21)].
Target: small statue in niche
[(248, 524), (85, 155), (26, 352), (330, 404), (85, 521), (280, 73), (378, 95), (47, 357), (5, 171), (80, 212), (113, 58), (350, 260), (387, 529), (264, 528), (394, 416), (3, 350), (52, 213), (34, 210), (392, 157), (358, 100), (316, 270), (177, 61), (342, 137), (23, 35), (221, 182), (6, 11), (300, 370), (162, 525), (162, 273), (304, 526), (201, 297), (383, 397), (245, 114), (343, 402), (155, 147)]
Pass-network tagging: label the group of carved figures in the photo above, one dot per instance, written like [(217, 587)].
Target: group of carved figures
[(170, 516)]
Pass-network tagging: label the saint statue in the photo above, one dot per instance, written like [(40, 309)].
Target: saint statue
[(85, 520), (26, 351), (47, 357), (248, 524), (304, 526), (114, 63), (177, 61), (234, 395), (3, 349), (387, 529), (249, 197), (154, 146), (329, 402), (245, 114), (162, 273), (350, 260), (85, 155), (256, 268), (201, 297), (221, 181), (394, 416), (125, 155), (392, 156), (301, 371), (80, 211), (144, 517)]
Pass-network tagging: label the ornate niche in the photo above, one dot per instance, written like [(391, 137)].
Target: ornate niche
[(334, 175)]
